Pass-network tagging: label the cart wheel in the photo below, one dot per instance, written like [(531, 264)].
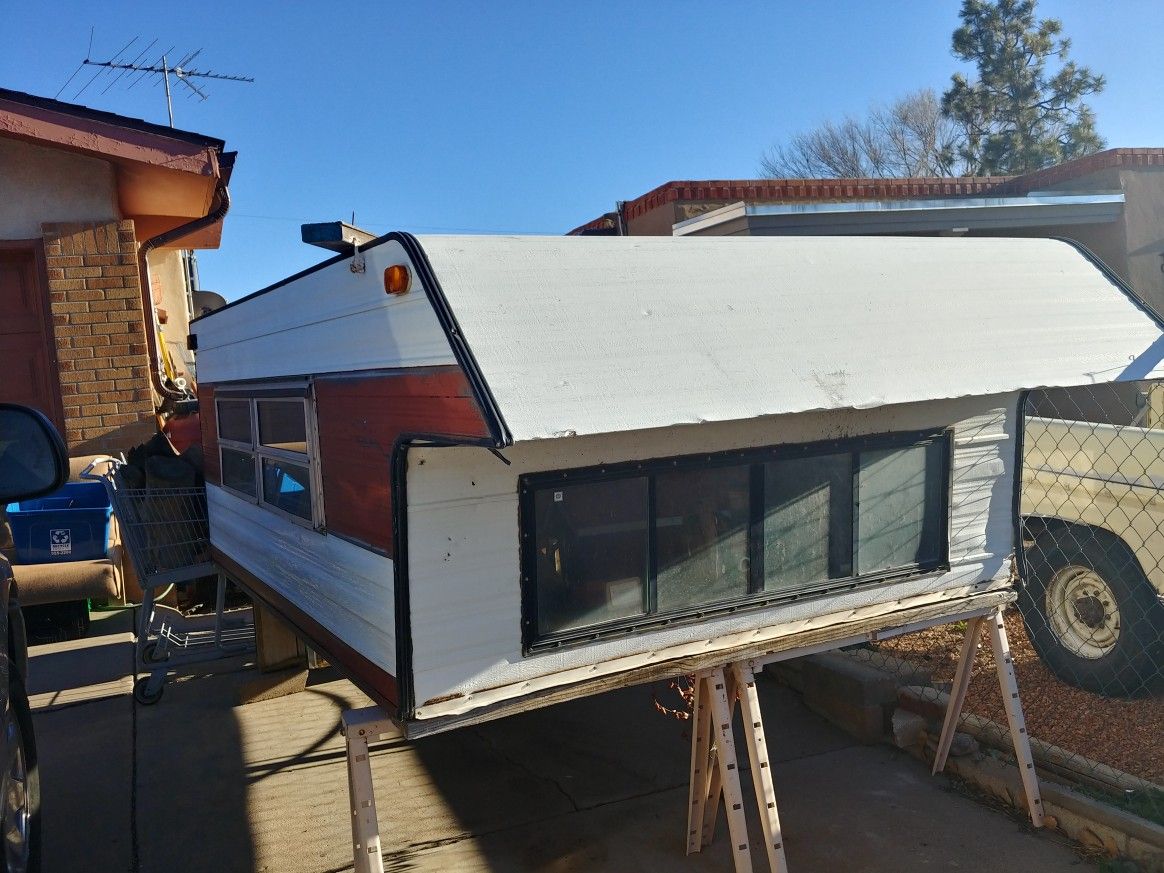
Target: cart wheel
[(149, 654), (141, 692)]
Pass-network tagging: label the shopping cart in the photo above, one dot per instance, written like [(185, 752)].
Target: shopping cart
[(167, 536)]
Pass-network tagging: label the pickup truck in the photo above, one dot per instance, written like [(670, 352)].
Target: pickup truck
[(1093, 560)]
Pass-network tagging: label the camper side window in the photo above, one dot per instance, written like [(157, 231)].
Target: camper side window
[(264, 445), (611, 549)]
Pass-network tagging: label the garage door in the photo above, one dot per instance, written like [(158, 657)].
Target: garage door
[(28, 372)]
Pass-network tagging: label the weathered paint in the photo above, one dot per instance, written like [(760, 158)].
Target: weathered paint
[(345, 588), (464, 562), (105, 138), (372, 679), (208, 420), (359, 421), (329, 321)]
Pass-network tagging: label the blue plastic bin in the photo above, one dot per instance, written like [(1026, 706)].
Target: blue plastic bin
[(71, 524)]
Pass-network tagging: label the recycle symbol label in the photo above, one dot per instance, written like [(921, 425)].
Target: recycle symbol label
[(61, 541)]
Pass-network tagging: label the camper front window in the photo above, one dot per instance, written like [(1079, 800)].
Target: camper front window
[(264, 453), (611, 549)]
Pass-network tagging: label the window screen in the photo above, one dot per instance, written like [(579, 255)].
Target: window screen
[(283, 425), (234, 420)]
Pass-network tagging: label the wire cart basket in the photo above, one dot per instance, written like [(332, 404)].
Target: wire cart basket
[(167, 535)]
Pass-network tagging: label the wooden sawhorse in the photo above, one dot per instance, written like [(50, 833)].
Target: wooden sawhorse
[(714, 765)]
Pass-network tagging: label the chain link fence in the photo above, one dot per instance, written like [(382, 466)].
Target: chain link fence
[(1087, 632)]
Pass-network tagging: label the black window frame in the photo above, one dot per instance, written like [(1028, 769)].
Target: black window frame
[(757, 598)]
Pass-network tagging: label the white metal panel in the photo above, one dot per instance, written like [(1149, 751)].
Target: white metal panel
[(464, 561), (329, 321), (583, 335), (346, 588)]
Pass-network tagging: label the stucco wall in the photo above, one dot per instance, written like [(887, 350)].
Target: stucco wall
[(42, 185), (1144, 227)]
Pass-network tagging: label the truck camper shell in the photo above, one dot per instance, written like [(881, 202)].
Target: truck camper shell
[(484, 474)]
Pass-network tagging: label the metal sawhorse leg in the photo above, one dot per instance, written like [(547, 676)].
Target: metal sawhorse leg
[(360, 727)]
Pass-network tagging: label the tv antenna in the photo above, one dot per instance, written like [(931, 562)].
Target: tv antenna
[(120, 67)]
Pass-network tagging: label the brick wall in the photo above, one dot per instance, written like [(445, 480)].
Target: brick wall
[(95, 298)]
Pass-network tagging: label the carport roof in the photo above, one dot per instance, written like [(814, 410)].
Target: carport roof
[(907, 216)]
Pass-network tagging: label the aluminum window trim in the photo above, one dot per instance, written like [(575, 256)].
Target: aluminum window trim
[(304, 395)]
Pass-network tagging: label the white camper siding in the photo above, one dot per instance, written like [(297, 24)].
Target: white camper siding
[(329, 321), (464, 560), (345, 588)]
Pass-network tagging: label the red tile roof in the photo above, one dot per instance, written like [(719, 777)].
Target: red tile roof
[(815, 190)]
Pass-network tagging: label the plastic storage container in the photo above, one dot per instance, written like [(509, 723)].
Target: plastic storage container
[(71, 524)]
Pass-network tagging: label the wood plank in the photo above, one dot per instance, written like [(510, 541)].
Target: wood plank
[(1014, 716), (868, 627), (761, 767), (276, 645), (958, 692), (700, 760), (715, 786), (728, 766)]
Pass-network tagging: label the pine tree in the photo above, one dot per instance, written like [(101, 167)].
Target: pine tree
[(1018, 116)]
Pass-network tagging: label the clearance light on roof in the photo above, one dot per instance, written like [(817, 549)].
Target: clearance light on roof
[(397, 279)]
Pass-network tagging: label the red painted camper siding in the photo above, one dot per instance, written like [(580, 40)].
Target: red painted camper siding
[(209, 418), (359, 420)]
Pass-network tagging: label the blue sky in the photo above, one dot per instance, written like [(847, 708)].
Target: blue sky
[(522, 118)]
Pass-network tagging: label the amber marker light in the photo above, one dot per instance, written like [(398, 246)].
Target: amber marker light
[(397, 279)]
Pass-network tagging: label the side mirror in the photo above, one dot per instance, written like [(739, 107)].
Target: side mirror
[(33, 460)]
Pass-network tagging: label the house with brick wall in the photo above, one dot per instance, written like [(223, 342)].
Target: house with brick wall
[(1112, 202), (97, 215)]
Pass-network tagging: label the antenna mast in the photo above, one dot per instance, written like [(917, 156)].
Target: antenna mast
[(161, 67)]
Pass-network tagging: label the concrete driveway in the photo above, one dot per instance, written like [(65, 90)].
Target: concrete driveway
[(197, 783)]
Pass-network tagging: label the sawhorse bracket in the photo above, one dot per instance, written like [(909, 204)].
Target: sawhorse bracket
[(714, 772), (361, 727)]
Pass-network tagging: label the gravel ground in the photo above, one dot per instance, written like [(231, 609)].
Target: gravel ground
[(1125, 734)]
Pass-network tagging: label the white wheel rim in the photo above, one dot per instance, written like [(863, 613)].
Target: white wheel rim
[(1082, 611)]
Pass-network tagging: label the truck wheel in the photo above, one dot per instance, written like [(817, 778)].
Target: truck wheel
[(1091, 613)]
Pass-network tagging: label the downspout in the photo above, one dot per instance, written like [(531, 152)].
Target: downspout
[(147, 301)]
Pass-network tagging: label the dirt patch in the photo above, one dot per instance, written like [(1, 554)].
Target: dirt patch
[(1125, 734)]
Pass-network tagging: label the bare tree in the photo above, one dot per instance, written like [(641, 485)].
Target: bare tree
[(909, 137)]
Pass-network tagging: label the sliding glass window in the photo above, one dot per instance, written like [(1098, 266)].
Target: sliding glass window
[(608, 550)]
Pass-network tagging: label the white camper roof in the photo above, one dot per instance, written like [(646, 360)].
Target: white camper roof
[(583, 335)]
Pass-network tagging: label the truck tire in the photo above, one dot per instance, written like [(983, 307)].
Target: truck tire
[(20, 840), (1091, 613)]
